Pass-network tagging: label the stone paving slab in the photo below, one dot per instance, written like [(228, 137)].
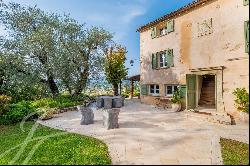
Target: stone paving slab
[(150, 135)]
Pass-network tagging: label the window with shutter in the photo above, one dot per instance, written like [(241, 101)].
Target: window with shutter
[(246, 29), (144, 90), (246, 2), (170, 26), (170, 58)]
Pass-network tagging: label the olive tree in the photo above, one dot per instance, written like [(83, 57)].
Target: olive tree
[(49, 49), (83, 50)]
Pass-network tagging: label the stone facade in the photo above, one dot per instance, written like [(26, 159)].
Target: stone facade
[(210, 36)]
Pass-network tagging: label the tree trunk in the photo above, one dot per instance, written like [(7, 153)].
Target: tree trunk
[(1, 81), (121, 88), (82, 83), (115, 89), (53, 87), (43, 58)]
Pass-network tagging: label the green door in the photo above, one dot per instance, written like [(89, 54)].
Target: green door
[(191, 91)]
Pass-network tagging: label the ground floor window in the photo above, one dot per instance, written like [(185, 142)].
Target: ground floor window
[(170, 89), (154, 89)]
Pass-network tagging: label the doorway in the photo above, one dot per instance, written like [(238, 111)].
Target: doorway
[(201, 91), (207, 91)]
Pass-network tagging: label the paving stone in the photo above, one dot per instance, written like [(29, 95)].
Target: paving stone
[(155, 137)]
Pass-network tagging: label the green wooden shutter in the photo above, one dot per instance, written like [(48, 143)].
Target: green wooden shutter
[(191, 91), (183, 89), (246, 2), (153, 32), (170, 58), (170, 26), (166, 56), (154, 61), (157, 60), (247, 35), (144, 90)]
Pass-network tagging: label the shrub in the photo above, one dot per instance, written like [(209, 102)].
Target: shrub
[(16, 112), (242, 99), (176, 97), (46, 113), (4, 102), (62, 101)]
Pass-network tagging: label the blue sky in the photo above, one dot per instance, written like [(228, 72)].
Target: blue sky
[(121, 17)]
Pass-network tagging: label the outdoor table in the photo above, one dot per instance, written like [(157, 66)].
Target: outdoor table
[(108, 102)]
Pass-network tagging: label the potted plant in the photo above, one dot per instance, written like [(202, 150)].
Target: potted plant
[(176, 100), (242, 103)]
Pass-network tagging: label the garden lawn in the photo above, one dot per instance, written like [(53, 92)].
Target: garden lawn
[(234, 152), (64, 149)]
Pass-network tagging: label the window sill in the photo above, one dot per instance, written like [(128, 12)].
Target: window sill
[(154, 95), (162, 35), (163, 68)]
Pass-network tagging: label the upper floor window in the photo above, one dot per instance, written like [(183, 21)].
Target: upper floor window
[(246, 2), (162, 29), (163, 60), (154, 90)]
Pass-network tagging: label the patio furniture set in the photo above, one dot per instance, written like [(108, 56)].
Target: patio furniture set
[(110, 106)]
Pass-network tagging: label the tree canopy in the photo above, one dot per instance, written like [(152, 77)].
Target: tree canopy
[(115, 69), (45, 53)]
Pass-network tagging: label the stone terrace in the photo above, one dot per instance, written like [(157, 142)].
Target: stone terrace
[(150, 135)]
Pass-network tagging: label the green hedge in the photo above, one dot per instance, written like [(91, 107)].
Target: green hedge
[(61, 101), (16, 112)]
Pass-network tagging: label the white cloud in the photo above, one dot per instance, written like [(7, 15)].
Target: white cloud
[(132, 13)]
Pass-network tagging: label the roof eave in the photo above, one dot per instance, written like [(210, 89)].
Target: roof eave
[(173, 14)]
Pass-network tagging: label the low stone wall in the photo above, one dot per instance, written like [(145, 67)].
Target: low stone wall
[(160, 102)]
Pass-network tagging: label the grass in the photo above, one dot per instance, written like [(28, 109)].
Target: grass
[(234, 152), (66, 149)]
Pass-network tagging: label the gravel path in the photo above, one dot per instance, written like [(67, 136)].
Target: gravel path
[(150, 135)]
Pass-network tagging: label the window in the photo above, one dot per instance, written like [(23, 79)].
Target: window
[(170, 89), (163, 60), (246, 2), (154, 89), (162, 31)]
